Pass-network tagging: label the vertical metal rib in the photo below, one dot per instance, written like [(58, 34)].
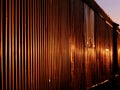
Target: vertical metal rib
[(34, 43), (6, 44), (38, 49), (28, 44), (10, 44), (16, 44), (1, 43), (40, 44), (20, 43), (31, 45), (23, 49)]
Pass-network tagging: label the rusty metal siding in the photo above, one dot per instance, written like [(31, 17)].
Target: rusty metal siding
[(43, 45), (36, 40), (103, 48)]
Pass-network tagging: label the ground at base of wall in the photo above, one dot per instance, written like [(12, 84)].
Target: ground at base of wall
[(110, 85)]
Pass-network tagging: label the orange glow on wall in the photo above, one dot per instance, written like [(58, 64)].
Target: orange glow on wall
[(48, 45), (107, 49)]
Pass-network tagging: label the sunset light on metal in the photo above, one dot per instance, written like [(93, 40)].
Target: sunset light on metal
[(54, 45)]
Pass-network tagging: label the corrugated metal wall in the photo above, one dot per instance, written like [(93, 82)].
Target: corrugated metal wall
[(89, 36), (104, 48), (37, 44), (43, 45), (98, 48), (100, 45)]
